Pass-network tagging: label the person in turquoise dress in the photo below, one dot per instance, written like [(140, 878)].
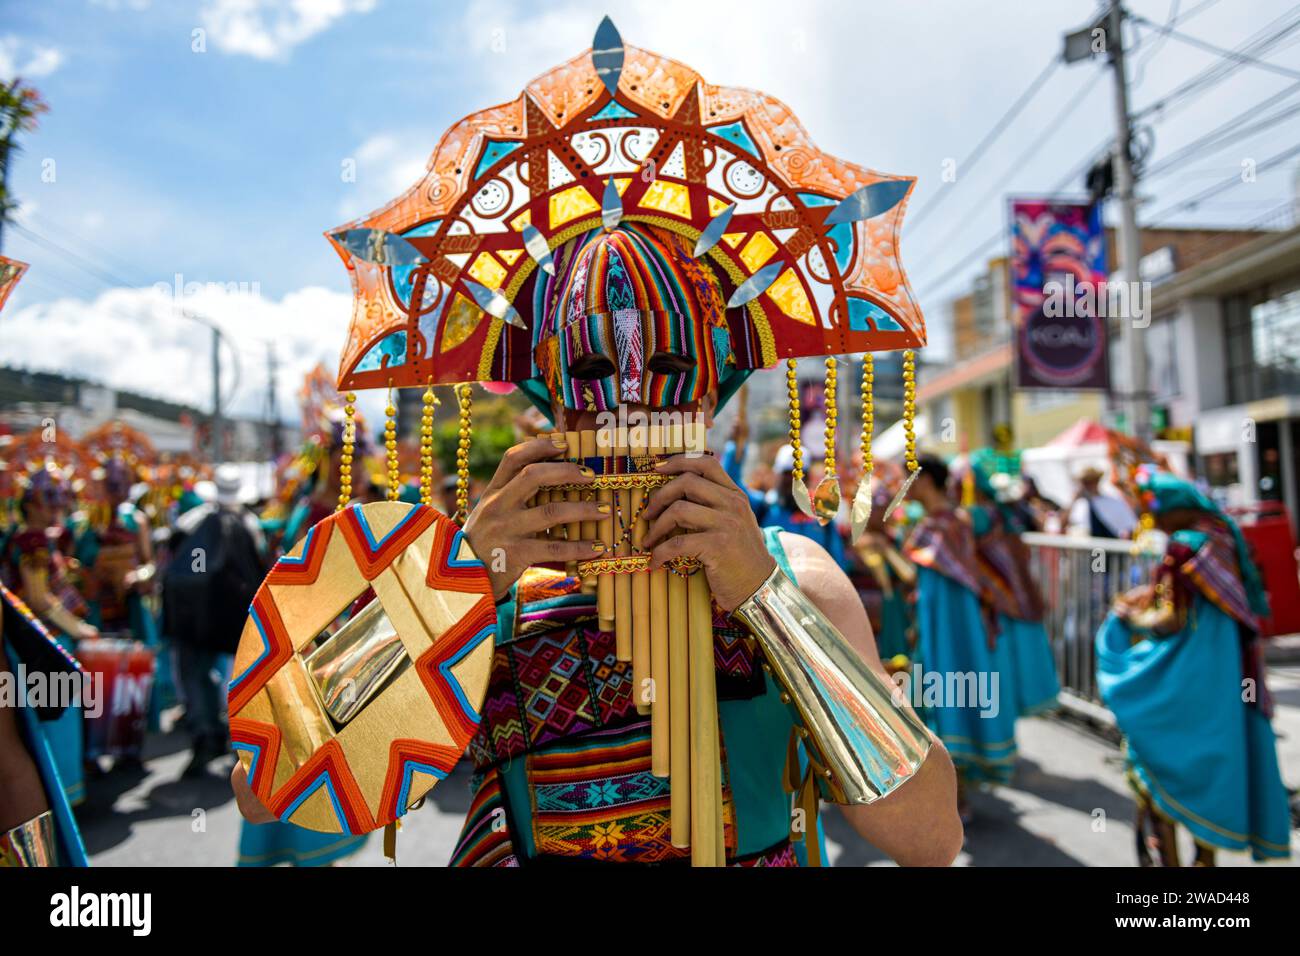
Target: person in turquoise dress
[(884, 580), (37, 826), (115, 550), (39, 571), (965, 679), (1179, 662), (1003, 560), (269, 844)]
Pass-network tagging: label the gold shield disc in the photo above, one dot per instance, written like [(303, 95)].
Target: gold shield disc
[(362, 666)]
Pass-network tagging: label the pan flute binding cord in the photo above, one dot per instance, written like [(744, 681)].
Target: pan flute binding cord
[(663, 623)]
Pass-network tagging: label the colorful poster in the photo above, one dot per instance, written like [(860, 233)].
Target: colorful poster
[(1059, 294)]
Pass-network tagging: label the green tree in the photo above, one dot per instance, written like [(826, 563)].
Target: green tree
[(20, 105)]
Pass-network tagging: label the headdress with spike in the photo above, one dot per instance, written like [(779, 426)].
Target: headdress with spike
[(11, 270), (610, 166)]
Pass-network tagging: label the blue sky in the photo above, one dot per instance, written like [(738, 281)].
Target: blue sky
[(224, 165)]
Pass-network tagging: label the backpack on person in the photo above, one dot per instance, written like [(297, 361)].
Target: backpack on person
[(207, 587)]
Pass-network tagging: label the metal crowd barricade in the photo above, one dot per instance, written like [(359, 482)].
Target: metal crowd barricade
[(1080, 577)]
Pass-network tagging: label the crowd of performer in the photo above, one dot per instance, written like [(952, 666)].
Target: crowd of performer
[(99, 533)]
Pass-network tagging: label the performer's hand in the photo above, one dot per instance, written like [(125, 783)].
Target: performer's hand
[(503, 530), (251, 808), (723, 534)]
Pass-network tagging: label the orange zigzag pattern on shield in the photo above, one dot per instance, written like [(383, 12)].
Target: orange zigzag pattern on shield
[(661, 85)]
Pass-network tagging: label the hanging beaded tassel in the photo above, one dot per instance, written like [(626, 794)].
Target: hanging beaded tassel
[(800, 489), (860, 513), (909, 428), (462, 454), (349, 446), (826, 499), (390, 446), (426, 446)]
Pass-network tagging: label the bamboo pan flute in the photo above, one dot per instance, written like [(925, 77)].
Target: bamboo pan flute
[(662, 622)]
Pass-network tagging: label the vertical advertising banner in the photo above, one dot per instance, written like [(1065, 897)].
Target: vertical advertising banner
[(1058, 294)]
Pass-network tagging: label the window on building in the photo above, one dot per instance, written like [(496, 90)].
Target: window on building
[(1162, 366), (1263, 342)]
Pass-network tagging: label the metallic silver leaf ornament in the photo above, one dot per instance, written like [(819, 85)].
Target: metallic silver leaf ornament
[(713, 231), (860, 511), (537, 247), (611, 206), (802, 498), (494, 303), (869, 201), (755, 286), (607, 54), (380, 247)]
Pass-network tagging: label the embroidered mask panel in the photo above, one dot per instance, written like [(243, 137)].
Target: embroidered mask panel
[(630, 318)]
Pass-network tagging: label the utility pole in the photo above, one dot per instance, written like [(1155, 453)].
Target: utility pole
[(272, 409), (1082, 45), (217, 444), (1132, 326)]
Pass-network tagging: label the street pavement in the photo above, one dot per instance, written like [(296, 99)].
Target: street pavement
[(1068, 806)]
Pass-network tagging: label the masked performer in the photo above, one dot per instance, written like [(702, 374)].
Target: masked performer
[(884, 580), (966, 682), (1179, 662), (39, 570), (1003, 559), (624, 239)]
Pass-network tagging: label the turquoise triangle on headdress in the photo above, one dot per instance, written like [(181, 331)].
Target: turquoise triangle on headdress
[(735, 133), (612, 110), (864, 316), (493, 152)]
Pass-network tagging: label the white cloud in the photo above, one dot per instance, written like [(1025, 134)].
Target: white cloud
[(386, 166), (19, 57), (270, 29), (133, 339)]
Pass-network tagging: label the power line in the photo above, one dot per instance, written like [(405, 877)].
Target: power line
[(1256, 43), (991, 136), (1233, 130), (1259, 42), (1190, 203), (1242, 58)]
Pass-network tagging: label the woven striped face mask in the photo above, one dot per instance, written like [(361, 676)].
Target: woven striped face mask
[(632, 319)]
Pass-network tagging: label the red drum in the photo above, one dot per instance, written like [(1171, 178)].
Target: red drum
[(122, 671)]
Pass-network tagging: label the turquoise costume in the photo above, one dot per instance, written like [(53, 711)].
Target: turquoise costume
[(563, 758), (269, 844), (61, 734), (1184, 676), (966, 676), (1003, 562), (27, 642)]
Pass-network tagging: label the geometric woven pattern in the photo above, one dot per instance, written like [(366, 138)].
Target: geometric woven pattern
[(342, 727)]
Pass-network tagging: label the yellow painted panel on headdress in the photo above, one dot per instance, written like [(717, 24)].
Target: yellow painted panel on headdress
[(463, 317), (732, 238), (716, 205), (510, 255), (757, 251), (671, 198), (788, 292), (525, 218), (487, 270), (571, 203)]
